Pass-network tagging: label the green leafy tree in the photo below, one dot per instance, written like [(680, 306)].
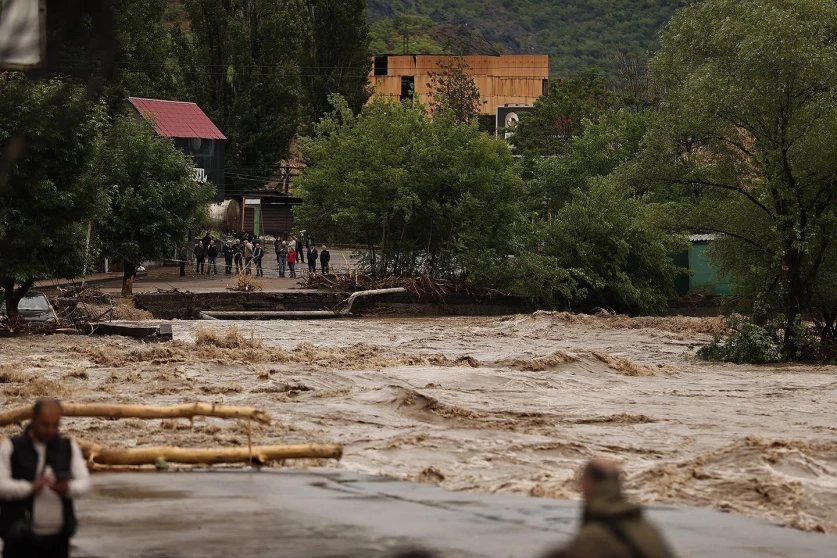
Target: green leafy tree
[(604, 145), (614, 248), (423, 195), (153, 200), (336, 60), (561, 114), (454, 91), (745, 142), (603, 244), (46, 138), (144, 53), (241, 63)]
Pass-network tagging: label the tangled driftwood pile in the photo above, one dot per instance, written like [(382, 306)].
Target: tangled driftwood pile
[(424, 287)]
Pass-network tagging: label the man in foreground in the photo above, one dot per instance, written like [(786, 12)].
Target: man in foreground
[(40, 474), (612, 527)]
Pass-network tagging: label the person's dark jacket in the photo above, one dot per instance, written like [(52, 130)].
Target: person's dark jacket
[(212, 251), (258, 254), (312, 255), (616, 528), (325, 257), (228, 253), (205, 241), (200, 251), (59, 456), (182, 254)]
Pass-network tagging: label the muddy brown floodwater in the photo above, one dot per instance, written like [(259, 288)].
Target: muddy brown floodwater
[(508, 405)]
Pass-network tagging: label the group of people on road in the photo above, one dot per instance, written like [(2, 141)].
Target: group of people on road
[(244, 253), (291, 251)]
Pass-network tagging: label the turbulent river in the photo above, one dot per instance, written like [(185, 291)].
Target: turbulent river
[(508, 405)]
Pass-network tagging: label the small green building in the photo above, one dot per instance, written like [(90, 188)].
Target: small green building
[(702, 276)]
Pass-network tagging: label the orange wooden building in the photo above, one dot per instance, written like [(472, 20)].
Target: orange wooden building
[(502, 80)]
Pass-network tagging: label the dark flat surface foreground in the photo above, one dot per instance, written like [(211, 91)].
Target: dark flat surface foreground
[(319, 514)]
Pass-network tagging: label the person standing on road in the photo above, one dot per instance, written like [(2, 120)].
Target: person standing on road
[(40, 474), (258, 254), (325, 258), (182, 256), (212, 254), (292, 263), (248, 257), (200, 257), (228, 258), (238, 257), (312, 259), (300, 250), (282, 256), (612, 526)]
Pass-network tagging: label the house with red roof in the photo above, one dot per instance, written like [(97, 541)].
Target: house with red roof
[(193, 133)]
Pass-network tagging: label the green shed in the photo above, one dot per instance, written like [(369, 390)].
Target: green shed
[(702, 276)]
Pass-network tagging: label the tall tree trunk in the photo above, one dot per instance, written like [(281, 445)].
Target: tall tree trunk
[(794, 301), (128, 278), (14, 296)]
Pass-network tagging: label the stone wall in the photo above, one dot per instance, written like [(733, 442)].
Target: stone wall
[(187, 306)]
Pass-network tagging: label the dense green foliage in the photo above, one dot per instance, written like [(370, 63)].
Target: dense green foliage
[(576, 35), (561, 114), (264, 70), (614, 244), (336, 60), (152, 198), (51, 122), (241, 64), (429, 196), (744, 144), (46, 136), (421, 193)]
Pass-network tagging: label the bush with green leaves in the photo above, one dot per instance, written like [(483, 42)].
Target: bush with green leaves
[(748, 343), (751, 342)]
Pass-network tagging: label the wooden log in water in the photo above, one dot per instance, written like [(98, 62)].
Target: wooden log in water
[(188, 410), (98, 455)]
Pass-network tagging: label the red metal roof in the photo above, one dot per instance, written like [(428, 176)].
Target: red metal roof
[(175, 119)]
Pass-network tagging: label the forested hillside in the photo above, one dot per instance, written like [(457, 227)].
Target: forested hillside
[(577, 34)]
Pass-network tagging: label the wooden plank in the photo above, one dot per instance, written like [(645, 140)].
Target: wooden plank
[(95, 453), (17, 415)]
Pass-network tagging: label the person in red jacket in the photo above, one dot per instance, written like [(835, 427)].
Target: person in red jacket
[(292, 263)]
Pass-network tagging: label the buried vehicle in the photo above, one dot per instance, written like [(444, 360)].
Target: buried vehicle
[(33, 308)]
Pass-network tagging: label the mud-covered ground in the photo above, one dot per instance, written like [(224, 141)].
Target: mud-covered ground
[(495, 405)]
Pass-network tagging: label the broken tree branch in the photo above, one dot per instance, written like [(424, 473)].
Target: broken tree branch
[(98, 455), (188, 410)]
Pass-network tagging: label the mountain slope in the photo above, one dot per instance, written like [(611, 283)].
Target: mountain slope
[(577, 34)]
